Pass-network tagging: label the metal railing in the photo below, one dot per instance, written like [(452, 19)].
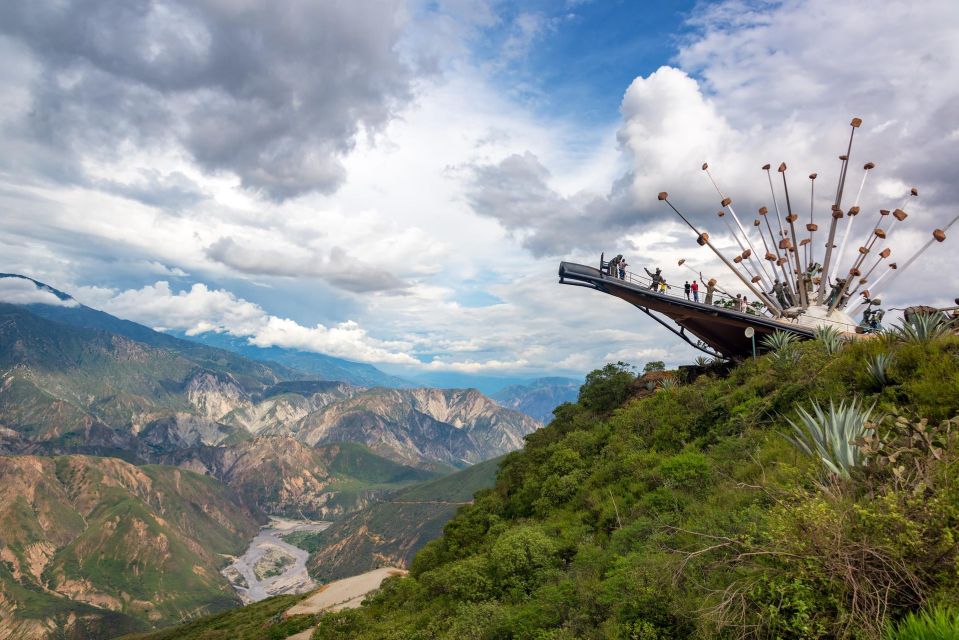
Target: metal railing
[(678, 292)]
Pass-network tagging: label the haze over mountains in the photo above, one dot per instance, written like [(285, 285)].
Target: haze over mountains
[(539, 397)]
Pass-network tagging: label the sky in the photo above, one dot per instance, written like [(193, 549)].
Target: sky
[(395, 182)]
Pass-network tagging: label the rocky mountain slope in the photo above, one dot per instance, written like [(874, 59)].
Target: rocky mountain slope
[(64, 388), (388, 534), (419, 427), (284, 477), (538, 398), (91, 547)]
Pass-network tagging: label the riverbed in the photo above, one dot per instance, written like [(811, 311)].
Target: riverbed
[(271, 566)]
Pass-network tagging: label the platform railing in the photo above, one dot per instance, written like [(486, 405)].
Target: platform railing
[(673, 291)]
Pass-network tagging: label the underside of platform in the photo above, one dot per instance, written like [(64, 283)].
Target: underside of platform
[(713, 329)]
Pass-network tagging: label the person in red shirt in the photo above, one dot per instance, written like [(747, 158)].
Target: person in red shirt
[(694, 287)]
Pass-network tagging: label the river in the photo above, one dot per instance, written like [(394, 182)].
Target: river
[(275, 556)]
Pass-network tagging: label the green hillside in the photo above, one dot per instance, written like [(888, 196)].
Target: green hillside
[(356, 461), (390, 533), (72, 389), (686, 513), (258, 621)]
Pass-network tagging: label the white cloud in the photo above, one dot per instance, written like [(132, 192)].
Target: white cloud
[(23, 291), (201, 309)]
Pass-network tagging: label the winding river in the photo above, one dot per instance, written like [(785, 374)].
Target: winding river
[(291, 577)]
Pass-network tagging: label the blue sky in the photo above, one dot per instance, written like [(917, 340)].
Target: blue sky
[(585, 54), (396, 181)]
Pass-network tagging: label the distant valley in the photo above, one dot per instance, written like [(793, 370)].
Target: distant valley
[(137, 463)]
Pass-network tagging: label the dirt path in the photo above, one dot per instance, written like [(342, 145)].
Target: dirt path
[(347, 593)]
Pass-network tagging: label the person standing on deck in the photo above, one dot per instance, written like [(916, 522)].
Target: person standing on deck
[(686, 289), (694, 287)]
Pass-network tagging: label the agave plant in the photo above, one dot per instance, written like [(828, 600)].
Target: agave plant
[(779, 340), (702, 361), (877, 366), (831, 339), (668, 383), (923, 327), (831, 435)]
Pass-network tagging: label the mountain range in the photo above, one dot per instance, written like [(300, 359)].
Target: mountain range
[(133, 463), (539, 397), (77, 380)]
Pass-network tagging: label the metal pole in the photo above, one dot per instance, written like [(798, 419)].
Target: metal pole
[(703, 239), (728, 203), (791, 218), (824, 281), (851, 218)]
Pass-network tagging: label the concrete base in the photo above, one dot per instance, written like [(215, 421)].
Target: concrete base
[(818, 316)]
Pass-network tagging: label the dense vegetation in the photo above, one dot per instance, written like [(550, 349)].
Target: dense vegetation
[(684, 511)]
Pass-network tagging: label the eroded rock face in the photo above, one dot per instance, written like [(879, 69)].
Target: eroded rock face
[(214, 395), (420, 427), (136, 543)]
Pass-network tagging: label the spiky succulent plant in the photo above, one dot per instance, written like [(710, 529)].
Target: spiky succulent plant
[(831, 434), (831, 339)]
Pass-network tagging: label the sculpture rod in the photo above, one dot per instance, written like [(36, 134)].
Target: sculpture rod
[(851, 219), (824, 281), (791, 218), (703, 239), (728, 203)]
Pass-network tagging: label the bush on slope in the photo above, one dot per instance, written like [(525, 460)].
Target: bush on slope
[(686, 514)]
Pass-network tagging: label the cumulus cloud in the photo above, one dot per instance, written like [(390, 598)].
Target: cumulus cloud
[(275, 92), (15, 290), (517, 192), (201, 309), (753, 85)]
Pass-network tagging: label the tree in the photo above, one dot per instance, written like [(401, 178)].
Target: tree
[(655, 365), (607, 388)]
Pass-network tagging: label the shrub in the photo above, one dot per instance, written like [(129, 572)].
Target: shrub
[(688, 470), (655, 365), (831, 436), (520, 557), (668, 384), (779, 340), (464, 580)]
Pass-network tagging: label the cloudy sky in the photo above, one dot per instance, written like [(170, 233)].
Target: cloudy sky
[(396, 182)]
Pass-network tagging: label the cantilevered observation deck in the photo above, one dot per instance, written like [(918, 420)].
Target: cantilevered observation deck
[(712, 329)]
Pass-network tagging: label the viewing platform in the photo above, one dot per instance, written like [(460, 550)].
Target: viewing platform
[(713, 329)]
